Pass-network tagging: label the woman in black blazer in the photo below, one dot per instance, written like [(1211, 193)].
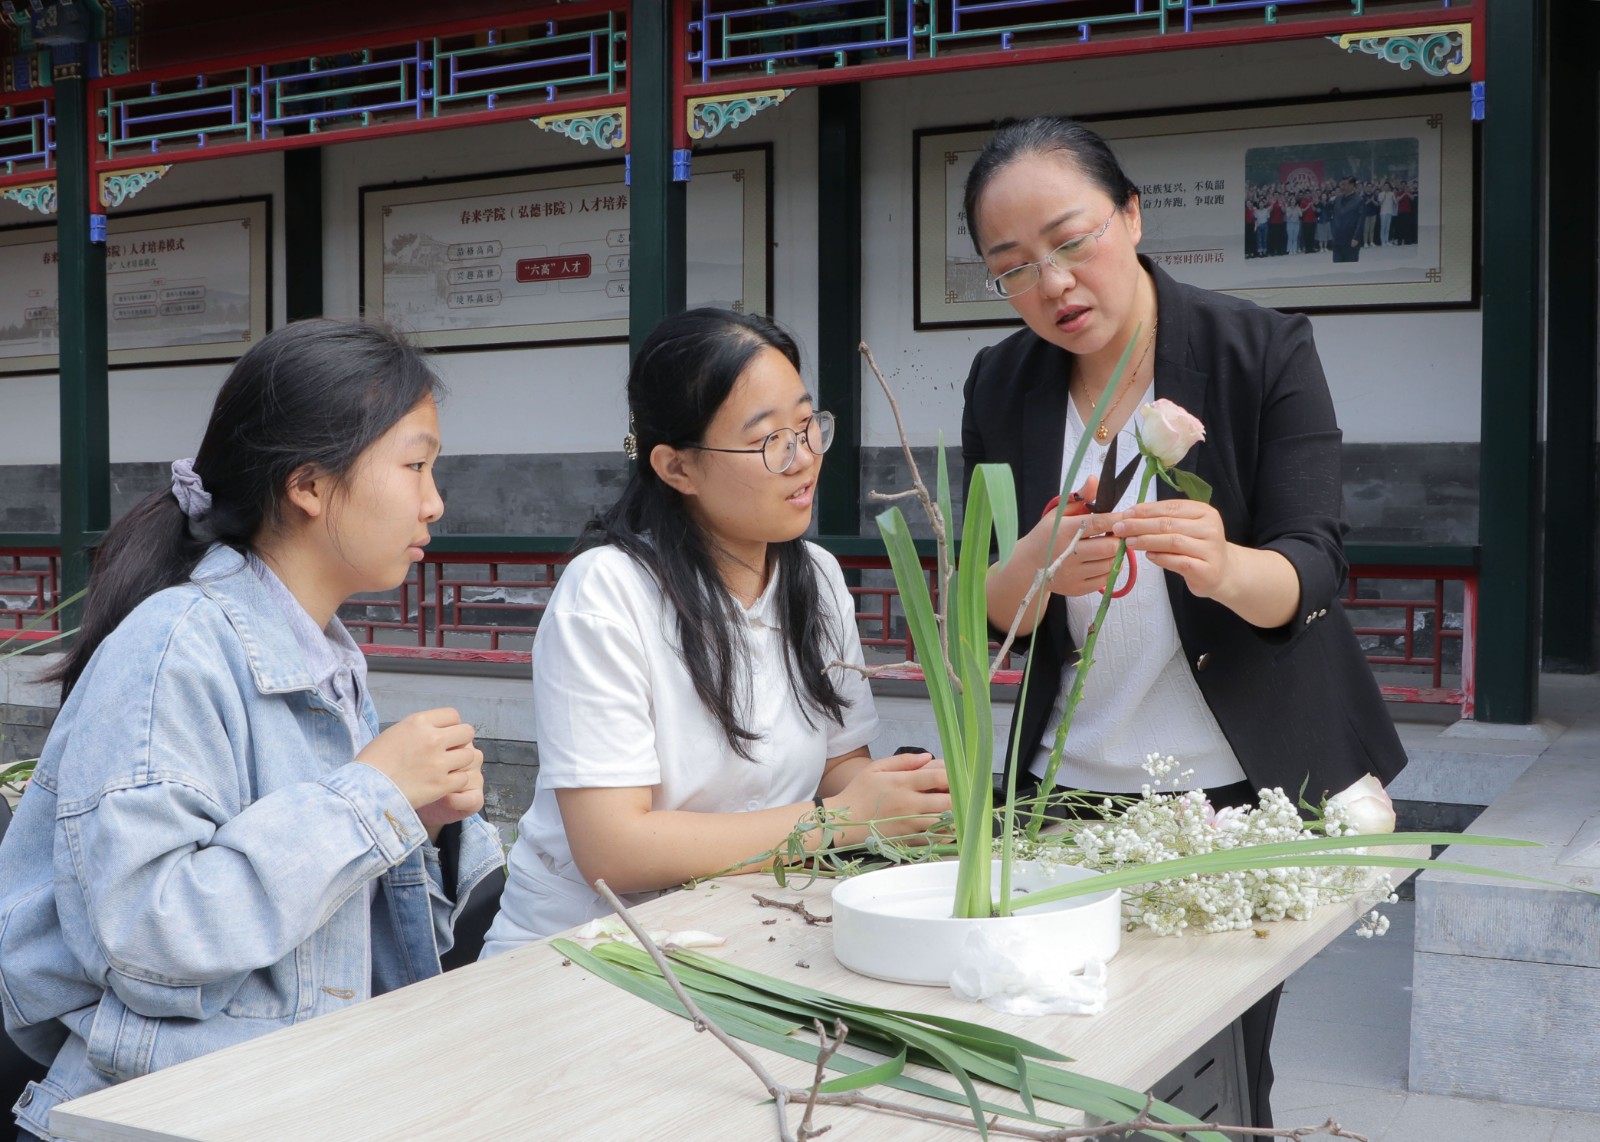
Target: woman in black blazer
[(1234, 642)]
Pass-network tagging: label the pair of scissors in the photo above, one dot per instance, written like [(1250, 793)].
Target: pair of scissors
[(1107, 495)]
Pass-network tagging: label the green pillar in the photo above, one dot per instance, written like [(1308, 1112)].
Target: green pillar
[(839, 301), (1508, 511), (656, 200), (1572, 299), (81, 288), (302, 233)]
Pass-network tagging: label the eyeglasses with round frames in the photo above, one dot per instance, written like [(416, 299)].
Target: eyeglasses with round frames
[(1069, 255), (778, 450)]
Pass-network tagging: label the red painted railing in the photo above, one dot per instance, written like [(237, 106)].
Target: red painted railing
[(30, 585), (484, 606)]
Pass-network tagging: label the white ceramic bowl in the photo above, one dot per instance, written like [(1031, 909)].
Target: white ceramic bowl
[(895, 923)]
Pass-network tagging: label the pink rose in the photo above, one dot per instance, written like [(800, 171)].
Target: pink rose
[(1168, 432), (1366, 806)]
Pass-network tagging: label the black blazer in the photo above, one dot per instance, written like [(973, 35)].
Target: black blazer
[(1299, 703)]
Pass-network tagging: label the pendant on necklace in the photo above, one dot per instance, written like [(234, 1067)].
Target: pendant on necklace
[(1101, 434)]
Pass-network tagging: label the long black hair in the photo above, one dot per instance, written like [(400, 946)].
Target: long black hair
[(312, 394), (1045, 135), (684, 371)]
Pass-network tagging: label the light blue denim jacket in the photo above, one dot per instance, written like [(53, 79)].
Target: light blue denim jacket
[(188, 868)]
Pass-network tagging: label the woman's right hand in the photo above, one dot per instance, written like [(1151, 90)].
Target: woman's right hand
[(428, 755), (910, 788), (1086, 569)]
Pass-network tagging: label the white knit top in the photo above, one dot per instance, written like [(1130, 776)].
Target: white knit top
[(1140, 697)]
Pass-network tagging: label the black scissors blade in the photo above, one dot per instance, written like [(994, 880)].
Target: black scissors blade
[(1112, 483)]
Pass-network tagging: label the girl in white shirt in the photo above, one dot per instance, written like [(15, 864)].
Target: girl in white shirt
[(686, 714)]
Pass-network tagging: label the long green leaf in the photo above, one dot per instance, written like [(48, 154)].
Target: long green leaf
[(1019, 1063), (20, 769), (882, 1073), (1309, 853), (946, 553), (34, 624), (913, 586), (973, 823)]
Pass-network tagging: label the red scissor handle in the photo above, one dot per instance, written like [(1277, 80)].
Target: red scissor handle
[(1077, 505)]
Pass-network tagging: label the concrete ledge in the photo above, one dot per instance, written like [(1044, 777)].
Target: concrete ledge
[(1544, 730), (1460, 770), (1507, 975), (1517, 1032)]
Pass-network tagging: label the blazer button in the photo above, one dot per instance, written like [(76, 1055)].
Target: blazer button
[(1202, 662)]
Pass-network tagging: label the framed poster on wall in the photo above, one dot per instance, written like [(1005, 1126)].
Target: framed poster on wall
[(1233, 200), (544, 256), (181, 285)]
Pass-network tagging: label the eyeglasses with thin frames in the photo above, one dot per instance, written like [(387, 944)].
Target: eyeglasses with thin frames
[(780, 447), (1067, 256)]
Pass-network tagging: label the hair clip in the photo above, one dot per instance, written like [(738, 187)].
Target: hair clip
[(630, 442)]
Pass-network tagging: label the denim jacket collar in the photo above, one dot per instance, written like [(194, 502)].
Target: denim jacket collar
[(277, 665)]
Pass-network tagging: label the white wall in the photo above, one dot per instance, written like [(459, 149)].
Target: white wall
[(1395, 377)]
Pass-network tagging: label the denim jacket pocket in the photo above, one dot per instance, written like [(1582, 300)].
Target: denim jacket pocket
[(121, 1042), (273, 992), (40, 980)]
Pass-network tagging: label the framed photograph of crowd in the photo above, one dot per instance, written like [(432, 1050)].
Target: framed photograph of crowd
[(545, 255), (1348, 205), (181, 285)]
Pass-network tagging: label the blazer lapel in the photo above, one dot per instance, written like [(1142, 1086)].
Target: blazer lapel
[(1044, 433), (1177, 382)]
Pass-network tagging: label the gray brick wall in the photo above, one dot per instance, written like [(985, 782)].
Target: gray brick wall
[(1404, 493)]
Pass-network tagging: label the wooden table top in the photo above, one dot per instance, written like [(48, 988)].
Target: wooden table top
[(525, 1046)]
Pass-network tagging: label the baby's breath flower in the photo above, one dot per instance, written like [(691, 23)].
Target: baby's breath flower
[(1164, 825)]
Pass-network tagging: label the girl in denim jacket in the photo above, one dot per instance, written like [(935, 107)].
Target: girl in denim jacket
[(218, 842)]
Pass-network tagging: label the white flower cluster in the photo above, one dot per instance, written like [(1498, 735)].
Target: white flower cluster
[(1163, 826)]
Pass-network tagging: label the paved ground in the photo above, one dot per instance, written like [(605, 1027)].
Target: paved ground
[(1342, 1043)]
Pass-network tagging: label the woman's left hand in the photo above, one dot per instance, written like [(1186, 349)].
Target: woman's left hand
[(1186, 537), (1183, 536), (463, 803)]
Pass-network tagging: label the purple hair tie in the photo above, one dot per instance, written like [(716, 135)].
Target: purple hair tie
[(191, 494)]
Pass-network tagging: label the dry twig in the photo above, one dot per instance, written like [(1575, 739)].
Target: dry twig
[(873, 671), (1040, 578), (798, 907), (827, 1050), (936, 520)]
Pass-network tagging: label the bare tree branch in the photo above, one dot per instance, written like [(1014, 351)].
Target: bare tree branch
[(941, 535), (798, 907), (876, 670), (1043, 576), (828, 1048)]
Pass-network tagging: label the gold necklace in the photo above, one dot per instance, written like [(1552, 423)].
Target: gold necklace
[(1101, 433)]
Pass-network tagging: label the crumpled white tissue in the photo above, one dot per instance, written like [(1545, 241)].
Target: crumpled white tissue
[(612, 928), (1018, 976)]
